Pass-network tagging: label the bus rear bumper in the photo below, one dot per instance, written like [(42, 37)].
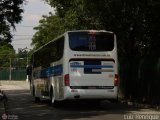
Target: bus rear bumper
[(90, 93)]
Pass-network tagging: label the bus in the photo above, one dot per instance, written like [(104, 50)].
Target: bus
[(81, 64)]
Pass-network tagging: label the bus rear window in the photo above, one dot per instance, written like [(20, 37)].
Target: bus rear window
[(86, 41)]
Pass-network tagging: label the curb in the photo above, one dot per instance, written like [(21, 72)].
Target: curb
[(140, 105)]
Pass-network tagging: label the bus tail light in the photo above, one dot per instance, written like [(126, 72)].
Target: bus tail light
[(66, 80), (116, 80)]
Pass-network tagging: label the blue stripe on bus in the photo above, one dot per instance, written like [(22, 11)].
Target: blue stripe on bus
[(51, 71), (91, 66)]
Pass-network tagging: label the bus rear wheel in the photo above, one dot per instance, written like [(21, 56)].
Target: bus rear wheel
[(37, 99)]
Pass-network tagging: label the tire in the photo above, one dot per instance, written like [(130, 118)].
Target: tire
[(93, 102), (114, 100), (37, 99), (33, 92)]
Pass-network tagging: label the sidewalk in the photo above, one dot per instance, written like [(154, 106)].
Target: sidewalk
[(13, 85)]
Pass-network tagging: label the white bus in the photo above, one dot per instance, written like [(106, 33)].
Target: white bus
[(79, 64)]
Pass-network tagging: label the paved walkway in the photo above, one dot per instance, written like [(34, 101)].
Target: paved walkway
[(13, 85)]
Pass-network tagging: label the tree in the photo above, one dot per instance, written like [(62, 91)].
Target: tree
[(49, 27), (125, 17), (10, 14), (6, 52)]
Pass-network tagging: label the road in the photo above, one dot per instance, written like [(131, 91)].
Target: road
[(21, 106)]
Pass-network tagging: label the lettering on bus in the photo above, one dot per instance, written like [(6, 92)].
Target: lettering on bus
[(74, 66), (92, 42), (97, 55)]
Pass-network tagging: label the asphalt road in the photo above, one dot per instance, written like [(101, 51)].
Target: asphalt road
[(21, 106)]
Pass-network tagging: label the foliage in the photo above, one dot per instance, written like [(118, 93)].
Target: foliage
[(49, 27), (6, 52), (10, 14), (7, 55), (129, 19)]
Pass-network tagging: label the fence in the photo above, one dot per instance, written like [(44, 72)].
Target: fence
[(15, 73)]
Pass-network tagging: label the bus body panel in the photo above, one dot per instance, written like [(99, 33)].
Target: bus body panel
[(58, 87), (91, 73)]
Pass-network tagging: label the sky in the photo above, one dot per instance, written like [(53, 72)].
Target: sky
[(33, 11)]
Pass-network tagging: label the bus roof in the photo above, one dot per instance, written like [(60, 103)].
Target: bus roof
[(90, 31)]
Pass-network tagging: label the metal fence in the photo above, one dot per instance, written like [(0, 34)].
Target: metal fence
[(17, 73)]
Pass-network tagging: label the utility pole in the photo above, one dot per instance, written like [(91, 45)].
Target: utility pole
[(26, 68), (10, 69), (27, 64)]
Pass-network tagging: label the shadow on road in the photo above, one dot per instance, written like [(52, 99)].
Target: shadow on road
[(21, 104)]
